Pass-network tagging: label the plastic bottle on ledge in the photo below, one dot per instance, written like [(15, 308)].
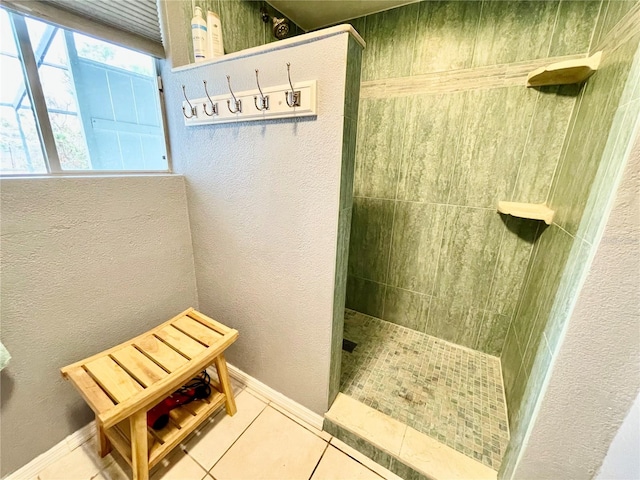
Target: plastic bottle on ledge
[(199, 35), (215, 45)]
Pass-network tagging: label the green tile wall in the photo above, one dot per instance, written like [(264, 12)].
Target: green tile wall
[(350, 119), (242, 26), (427, 248), (595, 149)]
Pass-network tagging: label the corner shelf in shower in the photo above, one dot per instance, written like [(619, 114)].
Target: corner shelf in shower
[(561, 73), (533, 211)]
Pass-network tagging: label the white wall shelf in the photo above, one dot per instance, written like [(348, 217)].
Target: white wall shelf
[(533, 211), (562, 73)]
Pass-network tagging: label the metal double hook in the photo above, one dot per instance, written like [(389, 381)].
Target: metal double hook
[(292, 96), (192, 109), (238, 103), (264, 100), (214, 106)]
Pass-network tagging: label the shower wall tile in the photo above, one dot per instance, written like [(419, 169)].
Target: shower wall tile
[(241, 16), (470, 245), (417, 234), (625, 124), (405, 308), (511, 359), (591, 130), (352, 87), (430, 146), (370, 240), (390, 37), (452, 320), (555, 245), (611, 13), (544, 143), (574, 27), (516, 246), (492, 142), (492, 333), (339, 299), (365, 296), (348, 161), (379, 146), (445, 36), (512, 31)]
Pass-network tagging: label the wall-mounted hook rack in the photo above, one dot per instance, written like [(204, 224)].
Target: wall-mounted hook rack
[(278, 107)]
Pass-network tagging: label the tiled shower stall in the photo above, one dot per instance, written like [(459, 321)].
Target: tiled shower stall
[(446, 129)]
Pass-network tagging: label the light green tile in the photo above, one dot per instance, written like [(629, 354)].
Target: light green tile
[(513, 31), (417, 234), (511, 359), (445, 35), (614, 158), (517, 395), (492, 333), (390, 37), (352, 87), (470, 245), (365, 296), (590, 134), (242, 26), (511, 266), (406, 308), (381, 125), (451, 320), (370, 240), (492, 142), (430, 145), (544, 143), (614, 12), (348, 162), (574, 27), (359, 24), (569, 287), (542, 287)]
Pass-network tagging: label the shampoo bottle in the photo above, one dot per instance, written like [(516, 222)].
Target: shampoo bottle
[(214, 36), (199, 35)]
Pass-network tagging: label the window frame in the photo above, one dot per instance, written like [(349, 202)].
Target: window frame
[(35, 92)]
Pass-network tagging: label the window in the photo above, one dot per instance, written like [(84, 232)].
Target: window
[(72, 103)]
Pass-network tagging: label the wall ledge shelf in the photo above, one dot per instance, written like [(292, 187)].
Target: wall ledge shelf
[(533, 211), (566, 72)]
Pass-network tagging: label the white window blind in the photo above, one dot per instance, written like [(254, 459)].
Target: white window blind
[(130, 23)]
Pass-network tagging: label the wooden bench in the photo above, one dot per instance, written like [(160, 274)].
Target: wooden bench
[(121, 384)]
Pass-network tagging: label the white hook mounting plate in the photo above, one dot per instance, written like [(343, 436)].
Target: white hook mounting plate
[(278, 107)]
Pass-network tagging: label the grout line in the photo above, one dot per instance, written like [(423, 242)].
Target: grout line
[(355, 459), (234, 442), (555, 26), (595, 25), (319, 460)]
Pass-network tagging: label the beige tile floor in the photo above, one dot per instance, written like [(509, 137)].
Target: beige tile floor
[(261, 441)]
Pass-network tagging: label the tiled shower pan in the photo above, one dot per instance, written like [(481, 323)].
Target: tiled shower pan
[(452, 394)]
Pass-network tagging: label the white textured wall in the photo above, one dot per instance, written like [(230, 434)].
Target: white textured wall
[(596, 374), (623, 458), (263, 203), (86, 263)]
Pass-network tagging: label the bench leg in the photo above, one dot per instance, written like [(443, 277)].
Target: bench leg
[(139, 448), (104, 445), (225, 384)]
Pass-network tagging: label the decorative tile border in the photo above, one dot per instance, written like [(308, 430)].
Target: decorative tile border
[(480, 78)]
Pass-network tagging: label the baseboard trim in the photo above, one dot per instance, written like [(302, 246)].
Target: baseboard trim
[(77, 438), (55, 453), (291, 406)]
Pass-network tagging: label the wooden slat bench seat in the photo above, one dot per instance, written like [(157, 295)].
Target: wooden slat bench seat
[(122, 383)]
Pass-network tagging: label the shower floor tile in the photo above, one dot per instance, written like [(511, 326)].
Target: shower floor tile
[(450, 393)]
